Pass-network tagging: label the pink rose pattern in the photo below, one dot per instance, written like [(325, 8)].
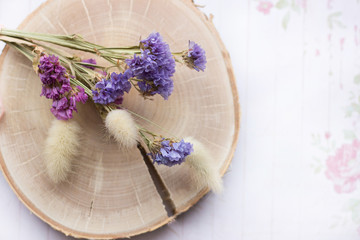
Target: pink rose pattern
[(327, 135), (265, 7), (286, 6), (343, 168), (342, 165)]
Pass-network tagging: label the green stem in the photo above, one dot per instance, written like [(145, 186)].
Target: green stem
[(134, 85), (76, 82), (74, 42), (89, 65), (178, 53), (146, 139), (147, 131), (149, 121), (26, 52)]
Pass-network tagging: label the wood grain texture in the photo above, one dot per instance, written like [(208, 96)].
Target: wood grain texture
[(110, 193)]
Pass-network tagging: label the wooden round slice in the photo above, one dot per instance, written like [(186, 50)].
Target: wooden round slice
[(110, 192)]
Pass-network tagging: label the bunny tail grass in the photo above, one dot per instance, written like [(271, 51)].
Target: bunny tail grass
[(205, 171), (122, 127), (61, 147)]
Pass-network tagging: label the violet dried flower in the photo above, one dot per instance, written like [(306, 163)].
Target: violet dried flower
[(195, 57), (170, 152), (111, 90), (154, 67)]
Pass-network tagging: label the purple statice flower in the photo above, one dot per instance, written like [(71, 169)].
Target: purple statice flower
[(121, 82), (54, 77), (56, 86), (155, 67), (80, 95), (51, 71), (63, 108), (163, 86), (55, 91), (91, 61), (171, 153), (195, 57), (111, 90), (104, 93)]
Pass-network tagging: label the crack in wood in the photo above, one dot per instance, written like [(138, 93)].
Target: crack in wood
[(91, 207), (158, 182)]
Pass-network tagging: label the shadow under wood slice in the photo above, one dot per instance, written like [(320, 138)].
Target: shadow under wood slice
[(158, 182)]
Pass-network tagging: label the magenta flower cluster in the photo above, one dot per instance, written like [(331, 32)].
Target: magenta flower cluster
[(54, 77), (154, 67), (56, 86)]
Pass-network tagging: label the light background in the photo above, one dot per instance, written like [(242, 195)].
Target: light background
[(296, 172)]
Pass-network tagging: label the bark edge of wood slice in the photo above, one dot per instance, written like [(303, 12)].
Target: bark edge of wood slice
[(110, 193)]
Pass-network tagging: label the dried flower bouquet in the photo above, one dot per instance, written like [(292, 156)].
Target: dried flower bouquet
[(69, 80)]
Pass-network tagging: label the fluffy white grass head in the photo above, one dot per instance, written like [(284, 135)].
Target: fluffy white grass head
[(122, 127), (205, 172), (61, 148)]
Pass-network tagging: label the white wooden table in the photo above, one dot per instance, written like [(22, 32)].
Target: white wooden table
[(296, 171)]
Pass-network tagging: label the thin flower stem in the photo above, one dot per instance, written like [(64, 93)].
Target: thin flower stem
[(136, 80), (76, 82), (22, 50), (127, 51), (83, 69), (72, 41), (107, 108), (122, 48), (80, 75), (147, 140), (138, 89), (147, 131), (149, 121), (179, 61), (89, 65), (72, 70), (113, 66), (110, 60), (54, 51), (178, 53)]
